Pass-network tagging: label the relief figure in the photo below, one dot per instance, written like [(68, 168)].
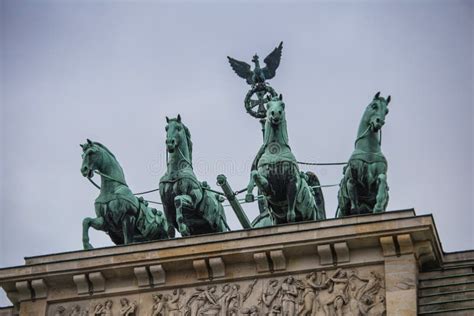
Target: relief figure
[(289, 294), (271, 290), (173, 306)]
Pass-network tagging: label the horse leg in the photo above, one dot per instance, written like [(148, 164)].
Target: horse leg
[(169, 219), (249, 197), (343, 204), (347, 195), (128, 226), (96, 223), (182, 201), (352, 192), (343, 201), (291, 190), (262, 183), (382, 194), (171, 230)]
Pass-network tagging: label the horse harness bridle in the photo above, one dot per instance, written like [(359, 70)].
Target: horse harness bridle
[(105, 176)]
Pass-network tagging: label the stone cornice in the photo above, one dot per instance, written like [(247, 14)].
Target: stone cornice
[(350, 229), (245, 254)]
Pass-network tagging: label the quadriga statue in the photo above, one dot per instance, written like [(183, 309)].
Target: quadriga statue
[(189, 205), (123, 216), (275, 172), (364, 188)]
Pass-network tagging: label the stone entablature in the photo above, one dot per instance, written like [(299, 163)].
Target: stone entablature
[(372, 261), (358, 291)]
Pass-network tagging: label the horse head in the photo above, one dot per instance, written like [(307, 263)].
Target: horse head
[(91, 158), (177, 135), (96, 156), (276, 110), (375, 112)]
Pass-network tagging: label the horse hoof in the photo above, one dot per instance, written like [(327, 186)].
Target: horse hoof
[(291, 218), (183, 229), (87, 246), (171, 233)]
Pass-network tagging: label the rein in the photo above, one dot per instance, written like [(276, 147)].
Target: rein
[(365, 134), (179, 178), (182, 155), (109, 177), (95, 184), (185, 159), (105, 176)]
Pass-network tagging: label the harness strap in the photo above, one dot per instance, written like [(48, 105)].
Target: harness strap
[(182, 177), (109, 177), (95, 184)]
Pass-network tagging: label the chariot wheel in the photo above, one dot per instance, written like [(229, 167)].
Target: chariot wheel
[(256, 106)]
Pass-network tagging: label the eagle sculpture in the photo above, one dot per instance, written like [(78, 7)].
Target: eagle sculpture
[(258, 75)]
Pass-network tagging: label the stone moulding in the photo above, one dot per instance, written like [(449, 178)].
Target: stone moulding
[(354, 251)]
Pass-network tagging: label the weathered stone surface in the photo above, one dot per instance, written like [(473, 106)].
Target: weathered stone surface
[(98, 282), (158, 274), (388, 246), (82, 284), (261, 262), (176, 276), (401, 284), (325, 254), (200, 267), (424, 253), (405, 244), (278, 259), (217, 267), (142, 276), (24, 291), (40, 289), (6, 311), (360, 285), (342, 252)]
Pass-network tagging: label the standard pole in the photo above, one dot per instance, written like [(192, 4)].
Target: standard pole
[(243, 219)]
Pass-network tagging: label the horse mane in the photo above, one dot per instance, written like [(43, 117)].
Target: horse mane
[(189, 142), (106, 150)]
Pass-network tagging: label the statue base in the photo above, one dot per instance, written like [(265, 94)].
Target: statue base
[(361, 265)]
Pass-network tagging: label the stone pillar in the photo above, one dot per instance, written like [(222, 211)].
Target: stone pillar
[(401, 271)]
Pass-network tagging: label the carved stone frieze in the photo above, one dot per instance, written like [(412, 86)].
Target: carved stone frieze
[(356, 292)]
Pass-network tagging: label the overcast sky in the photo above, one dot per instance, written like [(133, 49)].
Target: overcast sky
[(112, 70)]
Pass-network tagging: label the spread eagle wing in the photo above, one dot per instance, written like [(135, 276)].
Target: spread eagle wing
[(272, 61), (242, 69)]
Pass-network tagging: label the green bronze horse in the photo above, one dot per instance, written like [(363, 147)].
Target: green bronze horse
[(364, 188), (123, 216), (188, 204), (289, 197)]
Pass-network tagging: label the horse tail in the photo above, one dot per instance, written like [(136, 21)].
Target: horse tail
[(313, 182)]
